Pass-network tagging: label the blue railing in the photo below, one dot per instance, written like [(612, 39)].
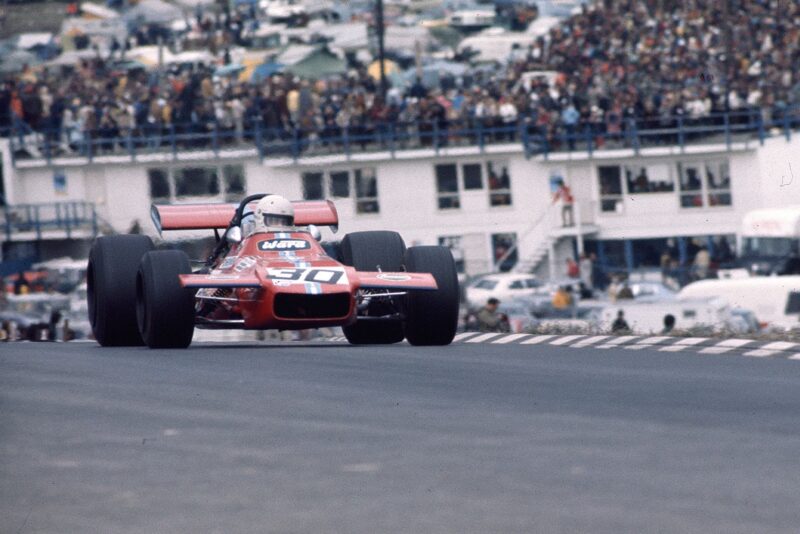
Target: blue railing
[(38, 218), (296, 142)]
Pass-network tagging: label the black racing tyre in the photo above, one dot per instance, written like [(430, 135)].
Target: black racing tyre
[(111, 288), (164, 308), (432, 316), (372, 251)]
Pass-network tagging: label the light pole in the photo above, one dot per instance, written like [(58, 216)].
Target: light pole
[(381, 55)]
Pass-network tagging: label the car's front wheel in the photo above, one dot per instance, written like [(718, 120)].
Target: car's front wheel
[(373, 251), (111, 288), (164, 308), (432, 316)]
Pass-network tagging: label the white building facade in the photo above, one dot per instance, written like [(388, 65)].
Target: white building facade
[(492, 204)]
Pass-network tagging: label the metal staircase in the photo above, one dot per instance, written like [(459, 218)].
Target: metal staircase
[(542, 238)]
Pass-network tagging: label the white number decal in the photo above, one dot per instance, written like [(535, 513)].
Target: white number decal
[(320, 276)]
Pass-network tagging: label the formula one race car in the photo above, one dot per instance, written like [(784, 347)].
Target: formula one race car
[(376, 289)]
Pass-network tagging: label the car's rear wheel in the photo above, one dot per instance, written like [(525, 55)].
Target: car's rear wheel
[(432, 316), (164, 308), (373, 251), (111, 288)]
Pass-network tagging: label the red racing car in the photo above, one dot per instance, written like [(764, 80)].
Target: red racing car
[(375, 288)]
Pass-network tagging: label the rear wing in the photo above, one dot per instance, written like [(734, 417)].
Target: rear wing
[(214, 216)]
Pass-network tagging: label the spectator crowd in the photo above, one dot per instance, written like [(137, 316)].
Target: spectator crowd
[(653, 62)]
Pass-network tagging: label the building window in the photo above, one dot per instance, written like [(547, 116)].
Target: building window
[(610, 179), (718, 183), (366, 186), (705, 183), (233, 175), (340, 184), (312, 186), (447, 186), (452, 179), (175, 184), (504, 250), (159, 185), (473, 176), (196, 182), (649, 179), (691, 185), (499, 184), (337, 185)]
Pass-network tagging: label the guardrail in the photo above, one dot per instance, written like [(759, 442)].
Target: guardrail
[(295, 142), (39, 218)]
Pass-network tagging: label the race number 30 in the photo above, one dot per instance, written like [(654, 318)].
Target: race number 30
[(320, 276)]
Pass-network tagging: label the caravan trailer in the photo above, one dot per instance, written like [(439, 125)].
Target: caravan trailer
[(775, 300)]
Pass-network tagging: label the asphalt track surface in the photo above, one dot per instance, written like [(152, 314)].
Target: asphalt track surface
[(332, 438)]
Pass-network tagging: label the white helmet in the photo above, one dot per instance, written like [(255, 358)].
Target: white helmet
[(273, 211)]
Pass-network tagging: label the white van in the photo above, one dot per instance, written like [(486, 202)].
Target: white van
[(775, 300), (770, 242)]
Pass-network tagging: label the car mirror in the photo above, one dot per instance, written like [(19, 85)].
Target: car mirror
[(234, 235), (314, 231)]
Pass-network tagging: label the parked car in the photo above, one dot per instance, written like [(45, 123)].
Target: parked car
[(502, 286)]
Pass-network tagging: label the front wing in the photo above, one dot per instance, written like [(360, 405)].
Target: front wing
[(361, 280)]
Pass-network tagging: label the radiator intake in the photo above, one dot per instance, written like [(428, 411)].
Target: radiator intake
[(294, 306)]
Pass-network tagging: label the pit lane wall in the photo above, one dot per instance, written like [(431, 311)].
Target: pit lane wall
[(413, 194)]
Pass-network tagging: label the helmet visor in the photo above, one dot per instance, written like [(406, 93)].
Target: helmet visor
[(271, 220)]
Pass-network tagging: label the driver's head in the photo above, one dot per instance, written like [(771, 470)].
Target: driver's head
[(273, 211)]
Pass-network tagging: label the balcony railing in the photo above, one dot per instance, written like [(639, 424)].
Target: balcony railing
[(296, 142), (63, 218)]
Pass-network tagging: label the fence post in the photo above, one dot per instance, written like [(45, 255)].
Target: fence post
[(681, 133), (131, 149), (173, 142), (545, 143), (215, 139), (295, 143), (727, 119), (587, 132), (436, 136), (481, 142), (47, 152), (787, 130), (392, 139), (259, 140), (634, 135), (346, 141), (7, 223), (526, 141), (89, 145), (761, 132), (38, 222), (68, 220)]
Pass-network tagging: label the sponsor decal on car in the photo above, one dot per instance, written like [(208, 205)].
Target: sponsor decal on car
[(245, 263), (393, 277), (228, 262), (284, 244), (281, 283)]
